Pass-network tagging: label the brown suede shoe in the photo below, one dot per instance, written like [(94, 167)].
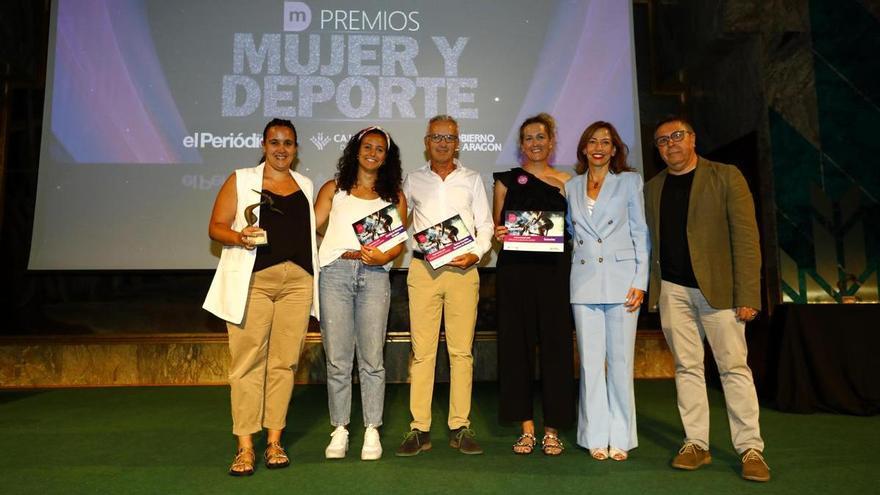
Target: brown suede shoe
[(414, 441), (690, 457), (463, 440), (754, 467)]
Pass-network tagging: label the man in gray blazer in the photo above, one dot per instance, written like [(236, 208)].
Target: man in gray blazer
[(705, 276)]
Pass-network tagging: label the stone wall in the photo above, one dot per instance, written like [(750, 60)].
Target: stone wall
[(203, 359)]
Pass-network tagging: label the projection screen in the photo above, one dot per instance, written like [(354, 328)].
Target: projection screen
[(151, 104)]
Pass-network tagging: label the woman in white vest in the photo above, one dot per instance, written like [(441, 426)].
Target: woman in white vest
[(355, 290), (264, 288)]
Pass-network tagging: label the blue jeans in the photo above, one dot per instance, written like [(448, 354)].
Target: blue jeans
[(354, 314)]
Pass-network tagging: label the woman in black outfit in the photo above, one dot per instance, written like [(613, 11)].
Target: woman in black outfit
[(533, 297)]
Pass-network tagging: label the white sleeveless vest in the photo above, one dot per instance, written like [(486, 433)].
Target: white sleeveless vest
[(227, 296)]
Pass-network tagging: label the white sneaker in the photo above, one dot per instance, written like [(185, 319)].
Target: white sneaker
[(338, 444), (372, 449)]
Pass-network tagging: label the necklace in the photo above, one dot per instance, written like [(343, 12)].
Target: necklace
[(592, 183)]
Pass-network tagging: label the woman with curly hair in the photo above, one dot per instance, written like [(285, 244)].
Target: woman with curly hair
[(354, 286)]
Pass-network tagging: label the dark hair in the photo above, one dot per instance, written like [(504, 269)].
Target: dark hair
[(278, 123), (618, 161), (674, 118), (542, 118), (390, 176)]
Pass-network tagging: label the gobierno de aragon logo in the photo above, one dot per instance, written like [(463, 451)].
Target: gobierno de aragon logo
[(297, 16)]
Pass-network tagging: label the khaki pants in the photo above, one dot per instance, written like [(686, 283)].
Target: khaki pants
[(687, 318), (265, 348), (433, 293)]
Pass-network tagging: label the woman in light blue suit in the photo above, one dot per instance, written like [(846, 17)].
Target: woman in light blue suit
[(609, 276)]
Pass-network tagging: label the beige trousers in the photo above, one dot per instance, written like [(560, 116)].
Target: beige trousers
[(265, 348), (433, 293), (687, 319)]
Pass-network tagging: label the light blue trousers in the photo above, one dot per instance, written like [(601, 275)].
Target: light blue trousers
[(354, 316), (606, 407)]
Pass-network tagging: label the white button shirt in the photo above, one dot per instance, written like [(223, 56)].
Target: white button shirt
[(431, 200)]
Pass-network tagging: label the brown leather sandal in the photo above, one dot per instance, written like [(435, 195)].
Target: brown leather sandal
[(551, 445), (243, 463), (275, 457), (525, 444)]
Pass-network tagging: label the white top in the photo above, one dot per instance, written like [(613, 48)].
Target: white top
[(340, 237), (227, 296), (591, 203), (431, 200)]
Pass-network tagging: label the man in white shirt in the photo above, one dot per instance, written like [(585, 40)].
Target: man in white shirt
[(435, 192)]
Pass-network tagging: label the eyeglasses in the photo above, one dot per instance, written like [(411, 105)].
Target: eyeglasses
[(675, 137), (436, 138)]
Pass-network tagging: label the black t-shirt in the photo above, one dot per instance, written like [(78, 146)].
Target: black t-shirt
[(675, 256), (289, 233)]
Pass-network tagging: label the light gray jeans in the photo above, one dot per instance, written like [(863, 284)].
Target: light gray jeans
[(687, 319), (354, 314)]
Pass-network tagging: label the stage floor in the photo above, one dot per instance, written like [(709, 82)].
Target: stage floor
[(177, 440)]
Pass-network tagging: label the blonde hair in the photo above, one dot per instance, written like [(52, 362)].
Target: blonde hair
[(543, 118)]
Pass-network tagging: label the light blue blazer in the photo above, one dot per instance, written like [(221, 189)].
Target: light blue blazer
[(611, 246)]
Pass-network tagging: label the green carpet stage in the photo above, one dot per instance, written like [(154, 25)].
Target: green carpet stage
[(177, 440)]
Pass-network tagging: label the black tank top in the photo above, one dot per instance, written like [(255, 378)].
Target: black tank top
[(289, 233)]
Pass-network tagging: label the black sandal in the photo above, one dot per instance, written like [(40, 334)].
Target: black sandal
[(525, 443)]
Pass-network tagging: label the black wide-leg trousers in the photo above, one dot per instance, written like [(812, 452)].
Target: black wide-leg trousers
[(534, 312)]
